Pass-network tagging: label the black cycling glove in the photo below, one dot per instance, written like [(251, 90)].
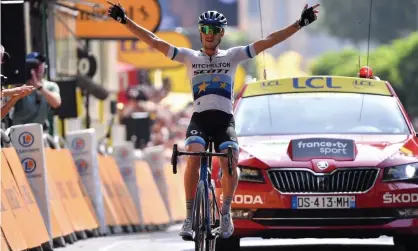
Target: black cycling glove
[(307, 17), (118, 13)]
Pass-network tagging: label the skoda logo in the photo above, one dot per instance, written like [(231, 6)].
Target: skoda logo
[(322, 165)]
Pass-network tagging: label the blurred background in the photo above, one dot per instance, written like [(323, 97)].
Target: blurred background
[(126, 91)]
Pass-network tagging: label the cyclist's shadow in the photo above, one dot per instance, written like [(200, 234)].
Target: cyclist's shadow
[(316, 248)]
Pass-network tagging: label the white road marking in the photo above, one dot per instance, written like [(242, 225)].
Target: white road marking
[(119, 243), (111, 246), (386, 241)]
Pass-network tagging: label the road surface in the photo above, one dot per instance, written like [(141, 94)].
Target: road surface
[(169, 240)]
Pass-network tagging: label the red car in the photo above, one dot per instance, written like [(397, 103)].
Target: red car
[(324, 157)]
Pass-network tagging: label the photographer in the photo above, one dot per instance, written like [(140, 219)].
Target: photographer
[(35, 107), (9, 97)]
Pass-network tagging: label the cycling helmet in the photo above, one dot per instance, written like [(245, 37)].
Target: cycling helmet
[(212, 17)]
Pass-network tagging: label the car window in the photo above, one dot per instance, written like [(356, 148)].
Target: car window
[(319, 113)]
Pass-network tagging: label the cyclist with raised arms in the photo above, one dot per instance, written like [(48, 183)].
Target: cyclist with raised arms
[(212, 74)]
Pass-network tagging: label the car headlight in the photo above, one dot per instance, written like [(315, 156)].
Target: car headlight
[(401, 173), (250, 174)]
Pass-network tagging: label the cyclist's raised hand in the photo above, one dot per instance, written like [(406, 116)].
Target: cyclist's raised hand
[(117, 12), (309, 15)]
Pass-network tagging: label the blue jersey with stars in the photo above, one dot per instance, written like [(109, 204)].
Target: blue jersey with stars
[(212, 78)]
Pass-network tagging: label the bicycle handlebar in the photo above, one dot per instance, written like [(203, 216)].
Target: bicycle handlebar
[(177, 153)]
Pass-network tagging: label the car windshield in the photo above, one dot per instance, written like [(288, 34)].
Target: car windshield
[(319, 113)]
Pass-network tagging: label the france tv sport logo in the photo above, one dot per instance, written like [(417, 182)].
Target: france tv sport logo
[(26, 139), (335, 148), (78, 144), (29, 165)]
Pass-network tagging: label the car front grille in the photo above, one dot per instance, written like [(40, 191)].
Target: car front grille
[(353, 180)]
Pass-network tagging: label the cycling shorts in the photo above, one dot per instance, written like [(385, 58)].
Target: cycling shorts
[(218, 125)]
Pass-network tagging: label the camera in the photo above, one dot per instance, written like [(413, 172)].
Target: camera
[(3, 79), (29, 66)]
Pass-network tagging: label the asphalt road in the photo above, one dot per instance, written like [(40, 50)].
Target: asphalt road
[(169, 240)]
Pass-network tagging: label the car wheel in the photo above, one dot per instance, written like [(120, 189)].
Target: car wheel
[(230, 244), (406, 243)]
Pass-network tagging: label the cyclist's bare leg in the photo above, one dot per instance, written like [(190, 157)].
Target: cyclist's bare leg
[(191, 178), (229, 183), (191, 175)]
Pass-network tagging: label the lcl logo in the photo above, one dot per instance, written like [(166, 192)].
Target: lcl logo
[(362, 84)]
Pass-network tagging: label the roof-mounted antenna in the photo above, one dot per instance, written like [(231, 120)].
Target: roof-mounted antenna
[(262, 36), (370, 23), (264, 60), (366, 71), (359, 51)]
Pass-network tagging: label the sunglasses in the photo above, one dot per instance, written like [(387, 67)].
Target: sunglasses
[(206, 29)]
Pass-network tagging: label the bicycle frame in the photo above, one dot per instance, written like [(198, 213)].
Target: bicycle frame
[(206, 179)]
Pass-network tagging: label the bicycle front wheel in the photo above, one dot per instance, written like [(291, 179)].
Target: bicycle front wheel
[(214, 215), (199, 219)]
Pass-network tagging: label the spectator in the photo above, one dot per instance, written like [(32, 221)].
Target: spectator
[(4, 57), (9, 97), (159, 133), (18, 93), (135, 97), (144, 77), (35, 107), (167, 126), (163, 92)]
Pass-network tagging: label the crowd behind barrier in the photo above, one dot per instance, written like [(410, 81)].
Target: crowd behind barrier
[(55, 191)]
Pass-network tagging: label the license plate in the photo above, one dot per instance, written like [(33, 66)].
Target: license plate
[(323, 202)]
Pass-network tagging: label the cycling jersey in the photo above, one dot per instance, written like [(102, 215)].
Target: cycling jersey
[(212, 78)]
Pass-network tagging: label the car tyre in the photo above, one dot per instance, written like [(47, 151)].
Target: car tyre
[(406, 243), (230, 244)]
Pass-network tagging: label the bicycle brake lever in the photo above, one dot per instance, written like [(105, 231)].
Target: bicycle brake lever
[(174, 158)]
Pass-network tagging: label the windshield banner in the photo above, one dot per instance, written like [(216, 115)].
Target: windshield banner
[(322, 148), (330, 84)]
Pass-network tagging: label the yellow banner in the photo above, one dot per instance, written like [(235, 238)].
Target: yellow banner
[(146, 13), (289, 65), (317, 84), (268, 62), (140, 55)]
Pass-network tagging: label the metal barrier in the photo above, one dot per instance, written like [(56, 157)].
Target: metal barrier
[(5, 139), (61, 142), (50, 142), (103, 148)]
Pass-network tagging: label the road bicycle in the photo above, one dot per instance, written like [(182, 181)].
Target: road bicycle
[(206, 214)]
